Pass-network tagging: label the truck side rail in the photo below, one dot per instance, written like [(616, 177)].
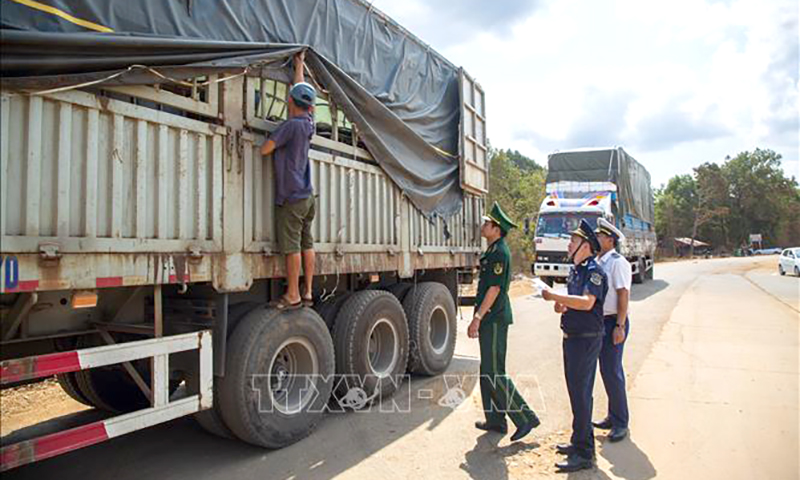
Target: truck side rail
[(161, 410)]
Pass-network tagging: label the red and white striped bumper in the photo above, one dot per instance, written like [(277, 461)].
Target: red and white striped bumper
[(163, 410)]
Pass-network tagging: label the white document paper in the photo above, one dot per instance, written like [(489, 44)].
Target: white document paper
[(540, 287)]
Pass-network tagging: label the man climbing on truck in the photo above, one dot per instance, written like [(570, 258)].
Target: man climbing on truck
[(294, 195)]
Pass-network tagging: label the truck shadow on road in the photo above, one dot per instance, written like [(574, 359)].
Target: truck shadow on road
[(645, 290), (182, 450)]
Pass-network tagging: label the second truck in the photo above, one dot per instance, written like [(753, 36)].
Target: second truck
[(590, 184)]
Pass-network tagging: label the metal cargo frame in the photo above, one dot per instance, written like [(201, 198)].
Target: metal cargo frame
[(103, 175), (117, 190)]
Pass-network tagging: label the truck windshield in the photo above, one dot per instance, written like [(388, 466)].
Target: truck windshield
[(562, 224)]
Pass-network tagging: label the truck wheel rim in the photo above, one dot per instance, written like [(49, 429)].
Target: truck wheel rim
[(439, 331), (382, 353), (293, 371)]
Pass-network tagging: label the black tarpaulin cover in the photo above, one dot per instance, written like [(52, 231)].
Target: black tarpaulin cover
[(403, 96), (607, 165)]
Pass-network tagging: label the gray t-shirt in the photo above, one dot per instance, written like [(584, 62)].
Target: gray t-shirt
[(290, 159)]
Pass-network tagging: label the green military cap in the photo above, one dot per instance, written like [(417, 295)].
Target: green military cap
[(498, 216)]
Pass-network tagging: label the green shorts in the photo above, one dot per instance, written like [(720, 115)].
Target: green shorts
[(293, 225)]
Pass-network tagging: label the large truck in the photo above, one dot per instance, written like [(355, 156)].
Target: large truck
[(139, 249), (590, 184)]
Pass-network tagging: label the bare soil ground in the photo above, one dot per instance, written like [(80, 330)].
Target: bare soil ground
[(519, 288), (28, 405)]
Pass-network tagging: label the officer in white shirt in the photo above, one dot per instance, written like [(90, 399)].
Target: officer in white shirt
[(615, 317)]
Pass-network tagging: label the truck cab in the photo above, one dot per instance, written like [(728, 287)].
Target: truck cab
[(589, 183), (560, 215)]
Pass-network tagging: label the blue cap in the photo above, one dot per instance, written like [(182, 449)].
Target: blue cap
[(303, 94)]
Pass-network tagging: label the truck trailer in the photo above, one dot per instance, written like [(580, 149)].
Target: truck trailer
[(590, 184), (139, 250)]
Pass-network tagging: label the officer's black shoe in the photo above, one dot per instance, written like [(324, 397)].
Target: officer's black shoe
[(525, 429), (565, 448), (491, 428), (605, 424), (573, 463), (617, 433)]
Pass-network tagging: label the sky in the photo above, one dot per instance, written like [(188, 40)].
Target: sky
[(676, 83)]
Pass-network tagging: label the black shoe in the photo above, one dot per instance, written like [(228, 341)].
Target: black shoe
[(573, 463), (565, 448), (604, 424), (617, 433), (491, 428), (525, 429)]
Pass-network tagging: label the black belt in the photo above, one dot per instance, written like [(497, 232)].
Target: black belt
[(613, 315), (583, 335)]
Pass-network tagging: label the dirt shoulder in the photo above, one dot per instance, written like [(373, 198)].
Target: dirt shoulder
[(28, 405), (519, 288)]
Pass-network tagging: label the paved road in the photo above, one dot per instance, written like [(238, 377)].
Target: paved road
[(712, 364), (718, 395)]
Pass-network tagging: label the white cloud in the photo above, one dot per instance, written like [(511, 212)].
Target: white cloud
[(679, 83), (444, 23)]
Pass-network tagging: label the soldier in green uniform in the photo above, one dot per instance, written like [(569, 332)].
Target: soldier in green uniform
[(490, 325)]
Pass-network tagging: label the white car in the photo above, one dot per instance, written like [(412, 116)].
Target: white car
[(789, 261)]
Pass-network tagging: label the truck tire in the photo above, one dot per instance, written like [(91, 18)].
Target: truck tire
[(330, 308), (265, 397), (237, 312), (371, 340), (69, 383), (211, 420), (112, 389), (432, 328), (639, 277), (83, 380), (400, 290)]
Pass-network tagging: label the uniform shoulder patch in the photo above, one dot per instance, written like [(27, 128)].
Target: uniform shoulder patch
[(615, 255), (498, 268), (596, 278)]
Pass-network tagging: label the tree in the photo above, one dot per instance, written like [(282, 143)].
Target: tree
[(675, 205), (724, 204), (761, 194), (523, 163), (788, 231), (517, 183), (712, 200)]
